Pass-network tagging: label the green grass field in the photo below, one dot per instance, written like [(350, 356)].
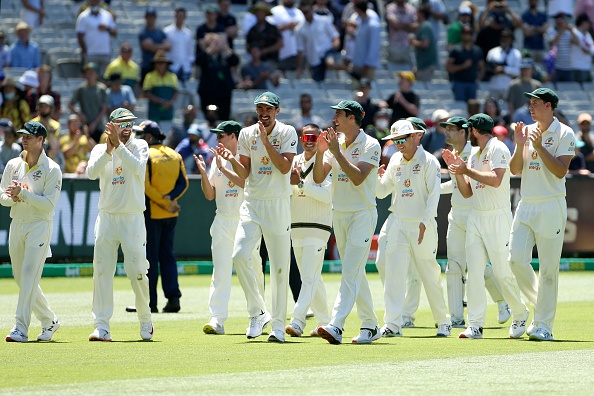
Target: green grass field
[(183, 360)]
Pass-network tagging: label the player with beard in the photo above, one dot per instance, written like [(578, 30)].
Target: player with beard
[(486, 178), (266, 150), (120, 165)]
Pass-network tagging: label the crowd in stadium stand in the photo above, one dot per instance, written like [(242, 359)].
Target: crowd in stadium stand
[(193, 68)]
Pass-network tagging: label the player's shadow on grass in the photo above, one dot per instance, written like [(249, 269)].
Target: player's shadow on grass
[(133, 341)]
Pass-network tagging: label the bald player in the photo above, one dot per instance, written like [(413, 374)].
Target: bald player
[(543, 152), (351, 155), (223, 185), (266, 150), (486, 178)]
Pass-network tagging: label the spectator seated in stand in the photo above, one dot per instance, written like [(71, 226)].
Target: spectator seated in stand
[(76, 144)]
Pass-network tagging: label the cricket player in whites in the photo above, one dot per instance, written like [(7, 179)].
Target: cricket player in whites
[(410, 233), (457, 137), (543, 152), (30, 186), (226, 188), (311, 225), (266, 150), (353, 157), (486, 178), (120, 164)]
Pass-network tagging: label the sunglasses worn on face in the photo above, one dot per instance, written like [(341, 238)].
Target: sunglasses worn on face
[(125, 125), (309, 138), (401, 140)]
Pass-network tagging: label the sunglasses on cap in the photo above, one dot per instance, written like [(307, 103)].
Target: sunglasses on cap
[(309, 138), (221, 135), (125, 125), (401, 140)]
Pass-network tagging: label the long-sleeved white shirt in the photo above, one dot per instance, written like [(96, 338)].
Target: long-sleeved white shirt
[(121, 176), (311, 204), (414, 186), (40, 188), (451, 186)]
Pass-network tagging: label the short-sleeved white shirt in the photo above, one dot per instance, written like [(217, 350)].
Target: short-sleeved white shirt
[(495, 155), (282, 15), (98, 42), (346, 197), (229, 196), (458, 201), (537, 180), (265, 181)]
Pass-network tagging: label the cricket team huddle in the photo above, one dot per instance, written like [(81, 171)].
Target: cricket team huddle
[(263, 188)]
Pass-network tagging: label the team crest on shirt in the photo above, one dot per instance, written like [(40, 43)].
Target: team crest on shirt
[(571, 144), (534, 164), (230, 184), (119, 179), (416, 169), (534, 155), (59, 185), (503, 160), (265, 170), (549, 142), (355, 153), (407, 192), (118, 170), (37, 175)]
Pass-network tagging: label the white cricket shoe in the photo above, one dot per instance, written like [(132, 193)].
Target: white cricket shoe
[(330, 333), (388, 332), (213, 327), (472, 332), (294, 330), (314, 333), (100, 335), (146, 330), (444, 330), (16, 336), (276, 336), (540, 334), (367, 336), (257, 324), (407, 323), (458, 323), (530, 330), (504, 312), (48, 332), (517, 328)]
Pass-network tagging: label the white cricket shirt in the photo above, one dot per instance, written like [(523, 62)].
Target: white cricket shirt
[(121, 176), (346, 197), (265, 181), (537, 181), (414, 186), (40, 188), (451, 186), (229, 196), (495, 155)]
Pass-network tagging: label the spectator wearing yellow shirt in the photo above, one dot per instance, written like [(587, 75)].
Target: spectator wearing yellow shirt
[(45, 109), (76, 144), (14, 106), (125, 66)]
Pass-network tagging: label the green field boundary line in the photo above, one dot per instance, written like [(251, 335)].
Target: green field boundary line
[(205, 268)]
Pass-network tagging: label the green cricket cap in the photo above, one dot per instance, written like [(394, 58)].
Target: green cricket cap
[(454, 121), (351, 106), (417, 123), (33, 128), (269, 98), (121, 114), (228, 127), (480, 121), (546, 94)]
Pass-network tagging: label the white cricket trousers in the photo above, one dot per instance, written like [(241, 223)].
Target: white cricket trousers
[(309, 255), (223, 231), (271, 218), (402, 248), (111, 231), (413, 280), (28, 245), (540, 222), (353, 232), (487, 238), (456, 267)]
